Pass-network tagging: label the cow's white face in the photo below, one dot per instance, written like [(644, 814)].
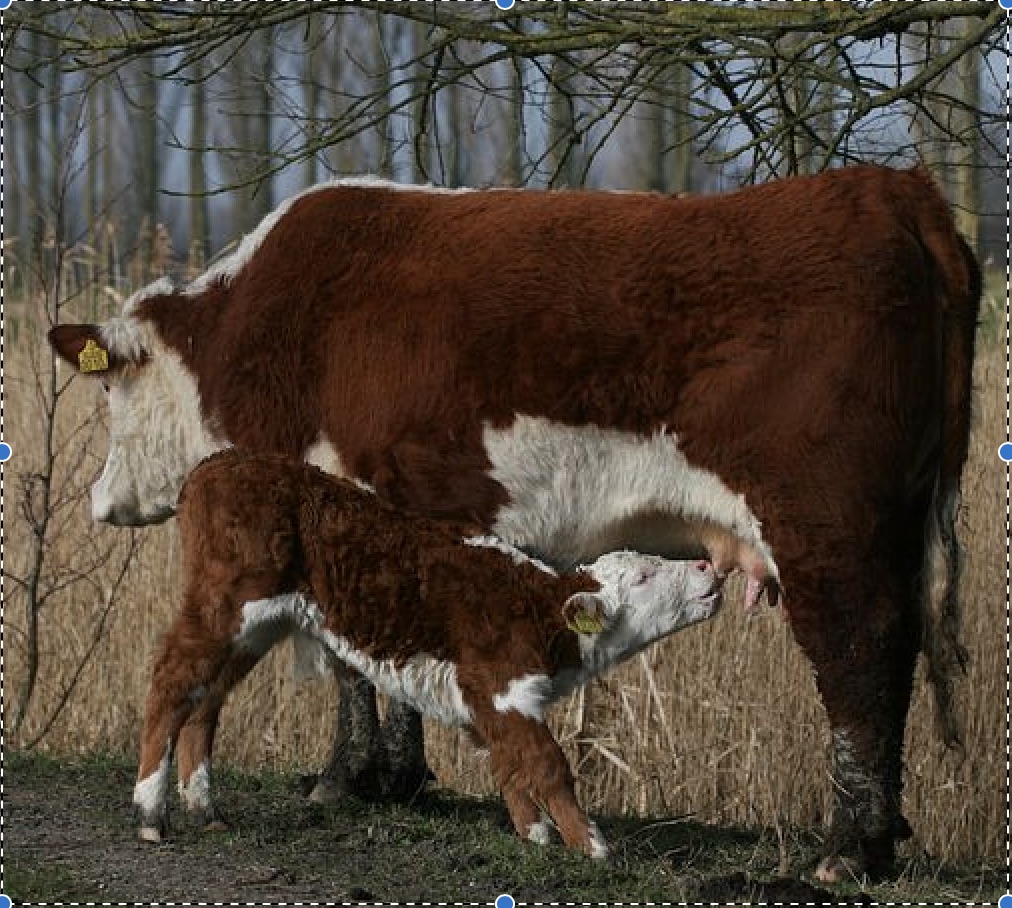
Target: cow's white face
[(642, 599), (156, 430)]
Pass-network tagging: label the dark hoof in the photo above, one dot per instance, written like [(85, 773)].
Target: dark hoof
[(364, 785), (874, 859), (405, 786)]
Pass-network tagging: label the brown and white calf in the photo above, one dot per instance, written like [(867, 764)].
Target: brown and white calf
[(467, 629)]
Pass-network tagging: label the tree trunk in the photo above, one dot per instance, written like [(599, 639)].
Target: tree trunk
[(679, 177), (967, 158), (421, 153), (562, 138), (200, 240), (311, 81), (264, 191), (33, 155), (385, 163), (57, 153), (515, 129), (148, 160)]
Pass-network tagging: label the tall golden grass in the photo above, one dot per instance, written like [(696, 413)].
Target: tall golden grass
[(721, 722)]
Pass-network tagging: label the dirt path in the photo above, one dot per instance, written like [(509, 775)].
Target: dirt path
[(69, 836)]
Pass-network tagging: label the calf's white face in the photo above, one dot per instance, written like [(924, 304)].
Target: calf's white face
[(643, 598)]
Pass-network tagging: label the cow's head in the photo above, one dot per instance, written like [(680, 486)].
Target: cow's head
[(156, 429), (641, 599)]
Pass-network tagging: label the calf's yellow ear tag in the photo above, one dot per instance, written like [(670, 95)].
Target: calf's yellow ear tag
[(583, 614), (93, 358)]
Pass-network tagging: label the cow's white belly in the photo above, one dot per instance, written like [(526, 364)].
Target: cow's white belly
[(578, 492)]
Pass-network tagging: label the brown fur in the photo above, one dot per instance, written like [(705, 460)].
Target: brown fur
[(395, 585), (810, 340)]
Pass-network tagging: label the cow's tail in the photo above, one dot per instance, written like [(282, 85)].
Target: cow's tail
[(957, 277)]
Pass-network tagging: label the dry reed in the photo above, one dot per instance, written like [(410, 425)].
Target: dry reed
[(721, 722)]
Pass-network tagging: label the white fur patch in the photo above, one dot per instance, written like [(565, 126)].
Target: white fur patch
[(429, 685), (373, 182), (196, 792), (226, 269), (598, 845), (542, 832), (494, 542), (530, 696), (575, 490), (266, 621), (324, 455), (150, 793)]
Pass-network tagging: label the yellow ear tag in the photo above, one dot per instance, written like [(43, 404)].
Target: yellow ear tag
[(583, 621), (93, 358)]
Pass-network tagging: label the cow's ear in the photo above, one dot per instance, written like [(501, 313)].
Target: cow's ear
[(584, 613), (83, 347)]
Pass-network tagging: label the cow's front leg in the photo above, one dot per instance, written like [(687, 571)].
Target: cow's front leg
[(355, 765), (864, 656)]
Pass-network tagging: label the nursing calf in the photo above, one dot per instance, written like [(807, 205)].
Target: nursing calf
[(467, 629)]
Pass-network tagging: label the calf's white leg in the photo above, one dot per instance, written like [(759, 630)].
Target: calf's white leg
[(192, 675)]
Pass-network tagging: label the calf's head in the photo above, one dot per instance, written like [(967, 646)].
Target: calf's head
[(156, 430), (641, 599)]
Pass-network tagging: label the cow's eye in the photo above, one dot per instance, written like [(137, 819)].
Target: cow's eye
[(105, 386)]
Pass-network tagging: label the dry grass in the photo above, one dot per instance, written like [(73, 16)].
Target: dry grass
[(722, 721)]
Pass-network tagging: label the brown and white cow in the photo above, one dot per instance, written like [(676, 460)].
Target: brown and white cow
[(580, 372), (466, 628)]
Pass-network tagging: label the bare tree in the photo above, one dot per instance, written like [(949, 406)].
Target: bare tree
[(49, 488), (200, 226)]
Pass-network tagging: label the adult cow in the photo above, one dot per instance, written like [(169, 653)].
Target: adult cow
[(586, 371)]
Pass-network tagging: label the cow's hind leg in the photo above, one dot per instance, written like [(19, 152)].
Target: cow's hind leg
[(864, 650), (405, 772)]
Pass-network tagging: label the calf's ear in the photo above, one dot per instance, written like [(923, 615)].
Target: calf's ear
[(83, 347), (584, 613)]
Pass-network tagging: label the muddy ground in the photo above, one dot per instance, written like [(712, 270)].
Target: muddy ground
[(69, 837)]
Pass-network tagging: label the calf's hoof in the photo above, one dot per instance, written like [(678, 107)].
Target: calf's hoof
[(152, 834)]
